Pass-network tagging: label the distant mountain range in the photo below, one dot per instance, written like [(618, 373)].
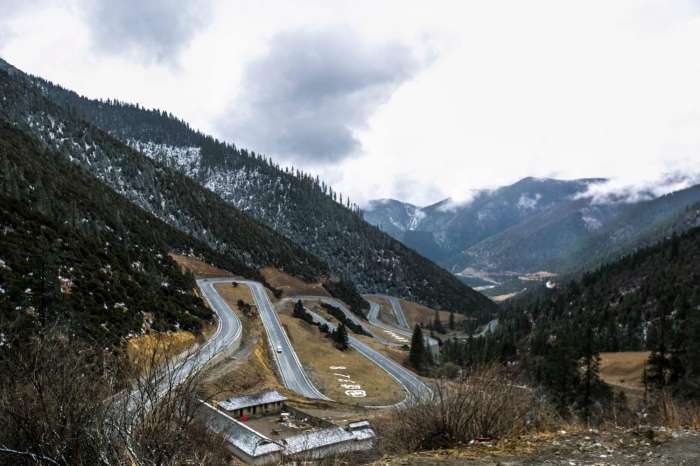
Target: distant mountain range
[(239, 203), (532, 225)]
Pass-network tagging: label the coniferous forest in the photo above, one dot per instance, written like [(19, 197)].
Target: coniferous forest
[(298, 206), (648, 300)]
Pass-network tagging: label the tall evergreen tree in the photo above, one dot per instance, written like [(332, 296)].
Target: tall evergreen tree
[(418, 356), (340, 336), (437, 324), (299, 310), (659, 364), (591, 386)]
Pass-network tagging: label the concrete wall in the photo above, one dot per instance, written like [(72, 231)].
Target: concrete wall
[(260, 410)]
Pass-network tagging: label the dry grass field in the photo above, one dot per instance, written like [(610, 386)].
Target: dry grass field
[(232, 294), (199, 268), (323, 362), (291, 286), (419, 314), (251, 372), (156, 347), (624, 370), (503, 297)]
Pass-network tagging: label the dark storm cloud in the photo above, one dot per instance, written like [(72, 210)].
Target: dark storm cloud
[(307, 96), (156, 30)]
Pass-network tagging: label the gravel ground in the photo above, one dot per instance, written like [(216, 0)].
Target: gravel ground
[(660, 447)]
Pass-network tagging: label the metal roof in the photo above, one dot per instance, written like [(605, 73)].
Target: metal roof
[(272, 396)]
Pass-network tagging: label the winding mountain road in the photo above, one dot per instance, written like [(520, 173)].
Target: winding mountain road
[(290, 369), (348, 313), (289, 366), (398, 311), (411, 383), (404, 332), (230, 329), (228, 332), (415, 388)]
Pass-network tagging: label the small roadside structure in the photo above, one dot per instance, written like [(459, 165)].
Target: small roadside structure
[(260, 404), (292, 437)]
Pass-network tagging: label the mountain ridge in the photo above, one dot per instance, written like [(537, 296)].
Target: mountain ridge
[(292, 203), (534, 224)]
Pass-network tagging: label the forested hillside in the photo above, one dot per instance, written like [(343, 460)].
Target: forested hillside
[(166, 193), (636, 226), (648, 300), (74, 253), (292, 203)]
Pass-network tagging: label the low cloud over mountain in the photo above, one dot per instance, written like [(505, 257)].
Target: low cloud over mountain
[(309, 95)]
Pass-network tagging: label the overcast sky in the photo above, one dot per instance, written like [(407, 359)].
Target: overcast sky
[(407, 99)]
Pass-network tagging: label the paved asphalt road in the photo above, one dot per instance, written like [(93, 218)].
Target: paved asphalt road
[(398, 312), (411, 383), (229, 330), (414, 386), (373, 317), (288, 364), (405, 332), (348, 313)]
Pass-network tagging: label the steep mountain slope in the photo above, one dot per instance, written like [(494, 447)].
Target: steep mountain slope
[(456, 226), (74, 252), (294, 204), (630, 299), (167, 194), (393, 217), (538, 240), (534, 224), (636, 226)]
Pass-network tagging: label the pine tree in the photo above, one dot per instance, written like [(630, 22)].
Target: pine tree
[(418, 355), (437, 324), (340, 336), (590, 378), (452, 320), (689, 385), (659, 365), (298, 309)]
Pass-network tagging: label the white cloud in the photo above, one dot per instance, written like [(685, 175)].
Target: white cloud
[(538, 88), (620, 190)]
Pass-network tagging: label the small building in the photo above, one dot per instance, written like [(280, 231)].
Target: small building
[(254, 447), (269, 402)]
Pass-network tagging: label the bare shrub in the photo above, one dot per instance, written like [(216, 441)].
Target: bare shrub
[(64, 403), (665, 410), (484, 403), (50, 404)]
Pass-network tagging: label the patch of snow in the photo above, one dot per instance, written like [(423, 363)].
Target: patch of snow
[(415, 219), (185, 159), (528, 203), (591, 223)]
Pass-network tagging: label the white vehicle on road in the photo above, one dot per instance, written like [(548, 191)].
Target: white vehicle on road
[(279, 349)]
